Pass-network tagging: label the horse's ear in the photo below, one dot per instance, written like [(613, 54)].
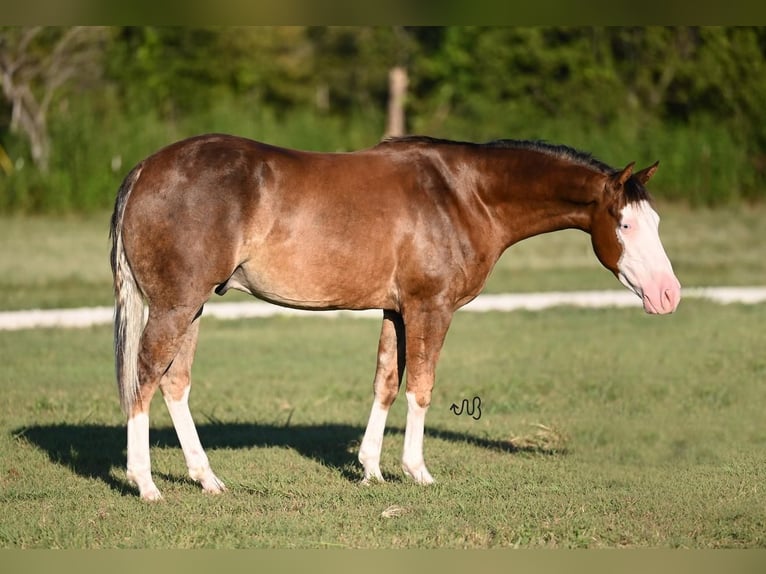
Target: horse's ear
[(619, 178), (646, 174)]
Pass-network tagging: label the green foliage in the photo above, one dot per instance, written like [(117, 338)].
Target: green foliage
[(692, 97), (95, 147)]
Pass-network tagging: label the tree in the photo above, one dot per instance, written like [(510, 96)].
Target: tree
[(36, 63)]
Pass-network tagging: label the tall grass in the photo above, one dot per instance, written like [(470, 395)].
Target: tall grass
[(95, 143)]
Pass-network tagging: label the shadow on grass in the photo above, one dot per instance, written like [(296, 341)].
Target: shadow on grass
[(94, 451)]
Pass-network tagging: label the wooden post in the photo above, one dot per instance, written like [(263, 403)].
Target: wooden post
[(397, 90)]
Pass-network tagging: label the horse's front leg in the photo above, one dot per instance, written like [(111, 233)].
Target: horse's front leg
[(426, 330), (388, 378)]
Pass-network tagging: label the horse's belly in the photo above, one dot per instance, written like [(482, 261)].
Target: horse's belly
[(316, 284)]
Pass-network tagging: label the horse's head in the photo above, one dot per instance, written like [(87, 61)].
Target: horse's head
[(625, 235)]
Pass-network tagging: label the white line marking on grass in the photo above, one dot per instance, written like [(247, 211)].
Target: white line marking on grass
[(89, 316)]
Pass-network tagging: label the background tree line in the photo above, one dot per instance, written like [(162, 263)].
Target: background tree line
[(80, 105)]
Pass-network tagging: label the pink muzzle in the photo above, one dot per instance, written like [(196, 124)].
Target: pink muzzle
[(662, 296)]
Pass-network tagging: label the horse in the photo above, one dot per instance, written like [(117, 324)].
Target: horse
[(411, 226)]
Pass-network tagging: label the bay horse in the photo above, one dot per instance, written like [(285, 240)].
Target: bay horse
[(412, 226)]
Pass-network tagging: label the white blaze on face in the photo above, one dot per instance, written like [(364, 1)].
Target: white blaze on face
[(644, 268)]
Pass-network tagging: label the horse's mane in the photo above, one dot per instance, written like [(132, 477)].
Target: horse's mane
[(634, 190)]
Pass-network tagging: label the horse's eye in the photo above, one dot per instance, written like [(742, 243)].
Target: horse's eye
[(625, 225)]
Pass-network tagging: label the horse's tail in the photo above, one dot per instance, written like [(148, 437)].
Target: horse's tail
[(128, 304)]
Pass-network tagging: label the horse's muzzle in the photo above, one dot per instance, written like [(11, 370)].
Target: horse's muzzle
[(662, 296)]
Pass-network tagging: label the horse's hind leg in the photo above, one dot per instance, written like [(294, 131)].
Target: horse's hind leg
[(163, 337), (175, 386), (388, 378)]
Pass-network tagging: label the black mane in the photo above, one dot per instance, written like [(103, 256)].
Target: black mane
[(634, 189)]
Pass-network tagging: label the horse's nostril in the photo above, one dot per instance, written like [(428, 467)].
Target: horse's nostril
[(669, 299)]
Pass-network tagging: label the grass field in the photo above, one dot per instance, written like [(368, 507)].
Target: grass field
[(599, 428)]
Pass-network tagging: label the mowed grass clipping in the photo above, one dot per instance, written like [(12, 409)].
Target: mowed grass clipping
[(598, 428)]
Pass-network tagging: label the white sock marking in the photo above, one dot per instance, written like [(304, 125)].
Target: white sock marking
[(412, 458), (196, 459), (372, 443), (139, 462)]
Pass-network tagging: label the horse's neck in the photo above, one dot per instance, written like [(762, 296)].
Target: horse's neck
[(529, 202)]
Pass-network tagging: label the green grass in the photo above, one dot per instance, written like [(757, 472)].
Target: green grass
[(63, 261), (54, 262), (599, 428)]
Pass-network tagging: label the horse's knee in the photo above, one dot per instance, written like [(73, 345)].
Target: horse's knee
[(386, 390), (419, 397)]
